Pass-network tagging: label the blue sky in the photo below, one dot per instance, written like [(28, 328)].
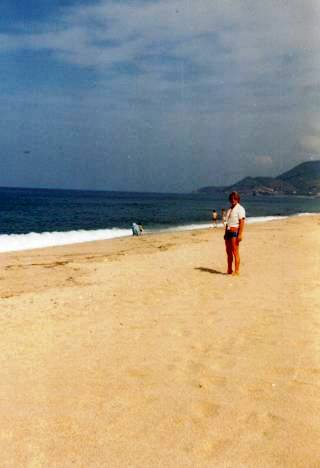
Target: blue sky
[(156, 95)]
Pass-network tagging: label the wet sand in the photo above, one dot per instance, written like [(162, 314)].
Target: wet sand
[(141, 352)]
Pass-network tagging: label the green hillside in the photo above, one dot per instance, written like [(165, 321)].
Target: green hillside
[(303, 179), (263, 185)]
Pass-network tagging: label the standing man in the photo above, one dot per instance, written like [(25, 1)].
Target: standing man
[(215, 218), (235, 220)]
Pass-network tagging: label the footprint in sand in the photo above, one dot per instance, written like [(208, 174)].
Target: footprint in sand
[(165, 246), (139, 373), (208, 409), (265, 423)]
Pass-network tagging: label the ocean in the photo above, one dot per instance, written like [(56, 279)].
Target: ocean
[(34, 218)]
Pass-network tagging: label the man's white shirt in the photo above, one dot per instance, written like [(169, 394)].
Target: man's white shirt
[(234, 215)]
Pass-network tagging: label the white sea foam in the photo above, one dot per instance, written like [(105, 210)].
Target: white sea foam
[(33, 240), (251, 220), (264, 219), (307, 214), (187, 227)]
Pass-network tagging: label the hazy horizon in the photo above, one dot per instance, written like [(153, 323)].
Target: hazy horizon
[(156, 96), (124, 191)]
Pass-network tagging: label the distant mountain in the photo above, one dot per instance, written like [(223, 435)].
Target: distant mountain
[(303, 179)]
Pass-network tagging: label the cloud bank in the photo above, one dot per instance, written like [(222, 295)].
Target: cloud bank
[(166, 95)]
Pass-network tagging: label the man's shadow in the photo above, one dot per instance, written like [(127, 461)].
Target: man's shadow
[(210, 270)]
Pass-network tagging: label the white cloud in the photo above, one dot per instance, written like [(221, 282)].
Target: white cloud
[(311, 143), (9, 43), (211, 76), (263, 161), (231, 48), (250, 33)]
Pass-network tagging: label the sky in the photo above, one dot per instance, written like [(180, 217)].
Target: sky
[(161, 96)]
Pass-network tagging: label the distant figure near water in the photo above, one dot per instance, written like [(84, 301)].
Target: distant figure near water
[(235, 220), (223, 216), (215, 218), (137, 229)]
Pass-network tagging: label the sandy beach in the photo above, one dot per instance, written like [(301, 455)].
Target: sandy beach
[(141, 352)]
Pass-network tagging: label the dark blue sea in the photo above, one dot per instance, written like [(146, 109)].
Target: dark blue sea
[(31, 218)]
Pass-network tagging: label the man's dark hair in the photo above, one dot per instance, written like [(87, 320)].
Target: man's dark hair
[(235, 195)]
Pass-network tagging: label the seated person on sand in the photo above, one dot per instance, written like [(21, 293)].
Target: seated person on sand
[(137, 229), (233, 233)]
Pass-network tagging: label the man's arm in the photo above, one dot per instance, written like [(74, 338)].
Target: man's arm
[(240, 230)]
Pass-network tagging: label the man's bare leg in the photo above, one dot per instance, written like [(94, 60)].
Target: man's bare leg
[(236, 254), (229, 255)]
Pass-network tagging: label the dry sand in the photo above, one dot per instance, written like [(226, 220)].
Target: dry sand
[(140, 352)]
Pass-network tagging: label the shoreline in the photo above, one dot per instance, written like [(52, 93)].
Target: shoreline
[(142, 352), (33, 240)]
